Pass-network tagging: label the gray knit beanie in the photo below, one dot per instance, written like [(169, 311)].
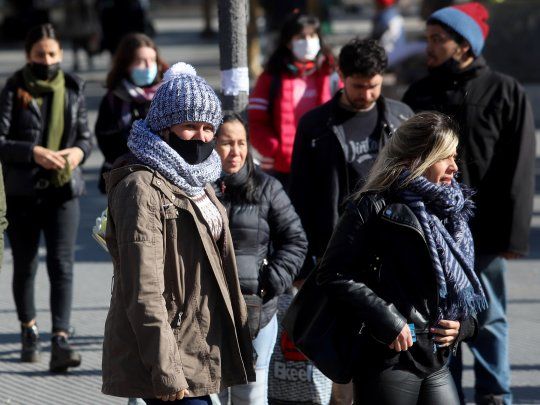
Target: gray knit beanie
[(183, 97)]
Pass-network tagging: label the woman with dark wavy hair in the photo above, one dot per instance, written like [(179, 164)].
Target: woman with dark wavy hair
[(401, 264)]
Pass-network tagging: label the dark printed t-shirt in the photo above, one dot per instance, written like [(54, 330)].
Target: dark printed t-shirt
[(362, 139)]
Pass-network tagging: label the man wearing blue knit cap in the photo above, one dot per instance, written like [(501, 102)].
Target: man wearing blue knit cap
[(497, 153)]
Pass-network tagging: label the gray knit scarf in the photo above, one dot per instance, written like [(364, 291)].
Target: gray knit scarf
[(153, 151), (443, 211)]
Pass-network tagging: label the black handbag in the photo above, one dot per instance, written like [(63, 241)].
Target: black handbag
[(323, 333)]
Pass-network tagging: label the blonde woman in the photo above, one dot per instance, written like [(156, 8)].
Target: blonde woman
[(400, 264)]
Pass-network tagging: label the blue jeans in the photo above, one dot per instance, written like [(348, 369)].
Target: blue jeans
[(256, 393), (490, 348)]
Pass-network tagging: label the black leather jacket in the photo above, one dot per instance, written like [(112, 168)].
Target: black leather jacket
[(22, 128), (378, 269), (269, 230)]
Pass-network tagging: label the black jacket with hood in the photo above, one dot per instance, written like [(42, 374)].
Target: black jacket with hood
[(496, 151)]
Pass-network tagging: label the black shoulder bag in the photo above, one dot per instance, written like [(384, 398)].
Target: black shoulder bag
[(318, 330)]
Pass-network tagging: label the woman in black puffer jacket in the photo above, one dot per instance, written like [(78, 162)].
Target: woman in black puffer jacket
[(269, 243), (44, 138)]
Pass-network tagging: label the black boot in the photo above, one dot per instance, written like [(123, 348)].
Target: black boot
[(30, 344), (62, 355)]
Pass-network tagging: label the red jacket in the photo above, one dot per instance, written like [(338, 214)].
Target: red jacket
[(273, 135)]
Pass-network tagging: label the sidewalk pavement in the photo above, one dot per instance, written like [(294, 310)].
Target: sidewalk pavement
[(31, 384)]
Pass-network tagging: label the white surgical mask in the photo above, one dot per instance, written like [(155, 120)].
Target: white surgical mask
[(306, 49)]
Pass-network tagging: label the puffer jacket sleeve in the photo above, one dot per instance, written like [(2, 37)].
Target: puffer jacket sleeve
[(84, 138), (340, 273), (289, 243), (261, 126), (11, 150), (135, 212)]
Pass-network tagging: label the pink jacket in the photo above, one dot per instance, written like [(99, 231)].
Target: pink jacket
[(273, 130)]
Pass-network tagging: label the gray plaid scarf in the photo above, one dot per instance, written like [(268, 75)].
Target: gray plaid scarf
[(443, 212), (153, 151)]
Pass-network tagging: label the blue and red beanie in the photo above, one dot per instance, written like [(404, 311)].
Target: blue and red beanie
[(469, 20)]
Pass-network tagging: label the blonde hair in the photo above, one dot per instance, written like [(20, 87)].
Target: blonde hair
[(418, 143)]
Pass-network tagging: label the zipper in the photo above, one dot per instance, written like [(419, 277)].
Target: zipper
[(362, 328), (177, 320)]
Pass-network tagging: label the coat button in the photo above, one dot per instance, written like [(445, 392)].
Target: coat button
[(158, 182), (173, 198)]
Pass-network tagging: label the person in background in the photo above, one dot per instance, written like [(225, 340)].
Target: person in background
[(177, 318), (400, 264), (44, 138), (388, 29), (388, 26), (131, 83), (81, 26), (297, 78), (121, 17), (337, 143), (497, 154), (269, 243)]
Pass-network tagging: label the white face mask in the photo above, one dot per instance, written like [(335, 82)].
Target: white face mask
[(306, 49)]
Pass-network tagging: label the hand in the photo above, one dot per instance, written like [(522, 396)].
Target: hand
[(403, 340), (267, 163), (447, 333), (48, 159), (179, 395), (74, 156), (510, 255)]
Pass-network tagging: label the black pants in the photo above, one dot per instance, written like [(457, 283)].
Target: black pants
[(401, 387), (59, 221)]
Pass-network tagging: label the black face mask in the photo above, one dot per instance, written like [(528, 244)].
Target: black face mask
[(450, 67), (44, 72), (192, 151)]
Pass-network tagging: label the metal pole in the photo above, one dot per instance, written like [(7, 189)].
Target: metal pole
[(233, 54)]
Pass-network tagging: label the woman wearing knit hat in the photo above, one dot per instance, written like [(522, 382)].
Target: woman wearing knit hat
[(177, 325)]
